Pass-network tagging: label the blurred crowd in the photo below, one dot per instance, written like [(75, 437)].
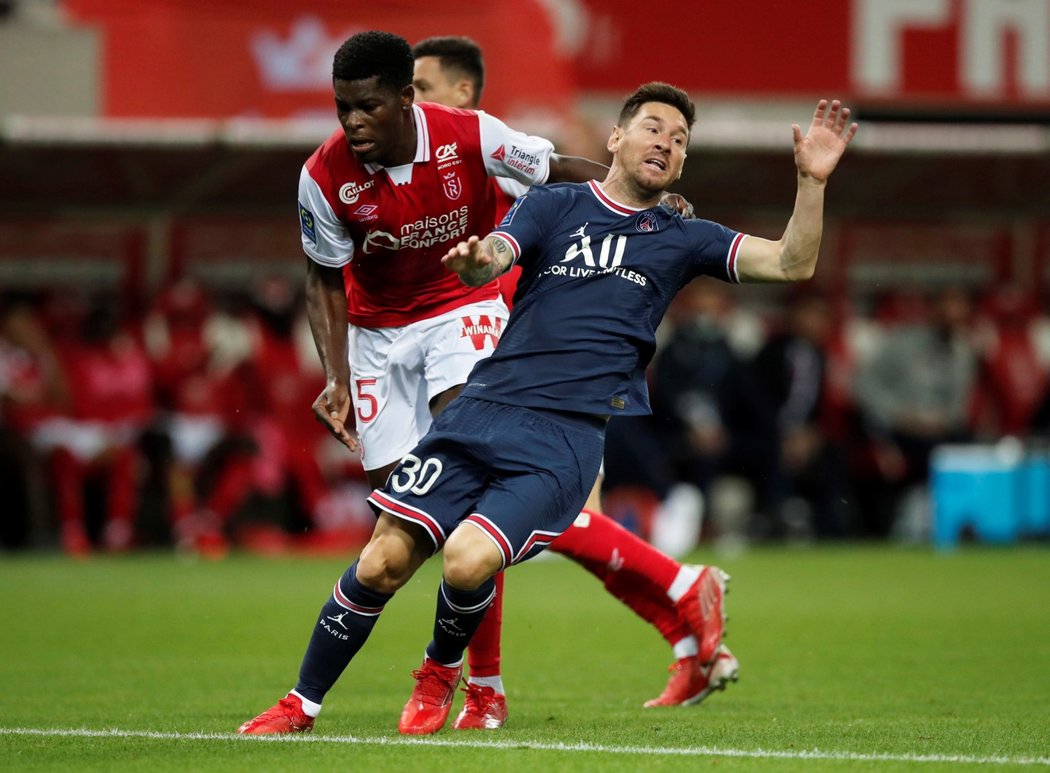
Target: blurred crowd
[(800, 417), (186, 423), (814, 417)]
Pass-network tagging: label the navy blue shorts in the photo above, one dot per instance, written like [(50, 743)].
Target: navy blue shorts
[(521, 475)]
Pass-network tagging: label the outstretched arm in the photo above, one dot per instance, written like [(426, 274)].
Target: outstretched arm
[(794, 256), (479, 261)]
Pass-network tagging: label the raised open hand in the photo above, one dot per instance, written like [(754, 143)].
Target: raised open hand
[(818, 153)]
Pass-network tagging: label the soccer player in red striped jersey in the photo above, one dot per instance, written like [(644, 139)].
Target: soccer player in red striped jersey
[(450, 71)]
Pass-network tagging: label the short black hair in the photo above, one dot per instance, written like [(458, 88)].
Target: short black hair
[(657, 91), (460, 54), (374, 53)]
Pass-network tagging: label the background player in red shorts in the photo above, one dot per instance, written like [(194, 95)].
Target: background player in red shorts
[(450, 71)]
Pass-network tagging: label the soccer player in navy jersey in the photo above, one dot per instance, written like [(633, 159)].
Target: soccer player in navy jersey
[(450, 71), (505, 467)]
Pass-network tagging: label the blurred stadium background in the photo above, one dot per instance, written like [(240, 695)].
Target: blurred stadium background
[(155, 368)]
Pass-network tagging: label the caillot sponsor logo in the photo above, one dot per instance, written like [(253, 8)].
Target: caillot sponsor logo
[(351, 191)]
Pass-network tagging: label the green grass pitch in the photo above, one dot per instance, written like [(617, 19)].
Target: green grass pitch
[(851, 658)]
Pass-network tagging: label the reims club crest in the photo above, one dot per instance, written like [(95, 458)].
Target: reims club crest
[(451, 185)]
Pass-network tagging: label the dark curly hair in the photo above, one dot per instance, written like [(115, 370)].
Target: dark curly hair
[(374, 53)]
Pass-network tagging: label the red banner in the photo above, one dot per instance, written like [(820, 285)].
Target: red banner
[(913, 51), (273, 58)]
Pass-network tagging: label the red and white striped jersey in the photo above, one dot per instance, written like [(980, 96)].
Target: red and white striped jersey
[(388, 228)]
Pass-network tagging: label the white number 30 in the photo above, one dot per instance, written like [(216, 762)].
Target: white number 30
[(416, 475)]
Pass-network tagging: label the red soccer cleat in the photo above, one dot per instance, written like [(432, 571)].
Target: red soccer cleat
[(286, 717), (431, 701), (691, 682), (703, 610), (75, 540), (484, 709)]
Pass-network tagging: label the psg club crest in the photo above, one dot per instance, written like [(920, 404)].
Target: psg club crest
[(451, 185), (646, 222)]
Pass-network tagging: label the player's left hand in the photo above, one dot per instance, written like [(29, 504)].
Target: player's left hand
[(818, 153), (678, 203)]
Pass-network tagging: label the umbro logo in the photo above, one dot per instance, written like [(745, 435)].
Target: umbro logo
[(365, 213)]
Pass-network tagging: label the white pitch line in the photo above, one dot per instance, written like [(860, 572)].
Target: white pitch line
[(697, 751)]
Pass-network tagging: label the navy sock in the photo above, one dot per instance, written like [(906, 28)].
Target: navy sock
[(345, 622), (459, 613)]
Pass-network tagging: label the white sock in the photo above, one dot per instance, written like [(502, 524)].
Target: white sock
[(495, 682), (687, 575), (685, 648), (310, 708)]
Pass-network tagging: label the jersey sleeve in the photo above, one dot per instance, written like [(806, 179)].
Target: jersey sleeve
[(511, 187), (513, 154), (522, 226), (324, 237), (715, 249)]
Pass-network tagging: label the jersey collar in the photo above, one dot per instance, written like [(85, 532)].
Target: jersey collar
[(403, 174), (610, 203)]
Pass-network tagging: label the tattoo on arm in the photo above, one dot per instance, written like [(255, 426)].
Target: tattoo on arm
[(502, 254)]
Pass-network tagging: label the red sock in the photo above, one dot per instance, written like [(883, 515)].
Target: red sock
[(483, 653), (232, 488), (68, 475), (122, 494), (631, 569)]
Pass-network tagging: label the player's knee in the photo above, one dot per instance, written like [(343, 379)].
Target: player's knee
[(470, 559), (466, 573), (381, 569)]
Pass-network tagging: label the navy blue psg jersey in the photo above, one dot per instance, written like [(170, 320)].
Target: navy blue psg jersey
[(597, 277)]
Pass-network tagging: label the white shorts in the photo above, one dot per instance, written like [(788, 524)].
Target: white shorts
[(396, 371)]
